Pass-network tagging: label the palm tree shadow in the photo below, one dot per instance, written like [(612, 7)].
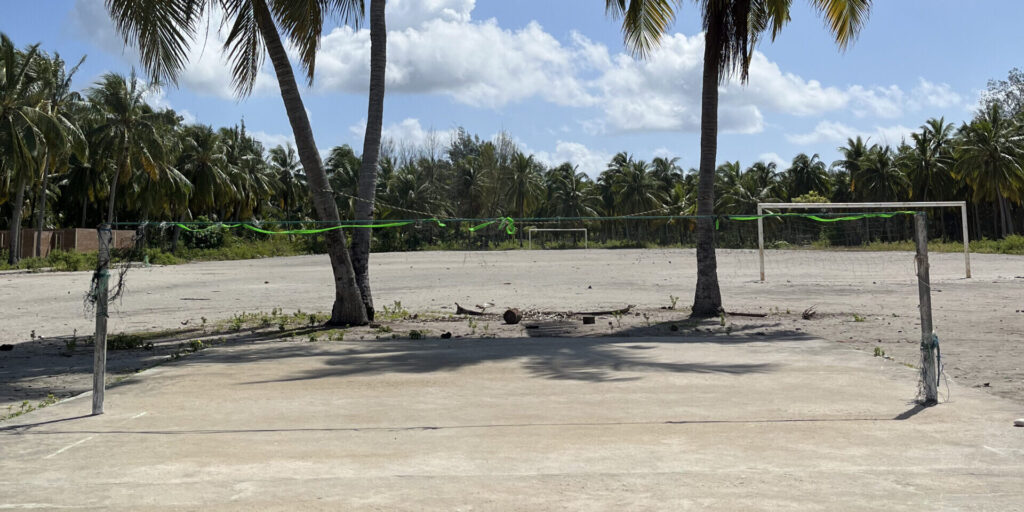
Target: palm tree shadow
[(576, 359)]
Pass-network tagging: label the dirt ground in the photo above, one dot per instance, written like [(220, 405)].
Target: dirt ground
[(864, 300)]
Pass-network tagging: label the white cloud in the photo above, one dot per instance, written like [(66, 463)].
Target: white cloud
[(833, 131), (476, 63), (206, 73), (928, 94), (270, 140), (589, 161), (402, 14), (885, 102), (773, 157)]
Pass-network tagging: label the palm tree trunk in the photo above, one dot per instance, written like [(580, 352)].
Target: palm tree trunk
[(41, 211), (348, 303), (367, 183), (14, 234), (707, 298)]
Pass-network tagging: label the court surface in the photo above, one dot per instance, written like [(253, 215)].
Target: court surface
[(525, 424)]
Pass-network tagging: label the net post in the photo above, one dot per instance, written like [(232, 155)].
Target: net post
[(760, 239), (929, 364), (102, 277), (967, 249)]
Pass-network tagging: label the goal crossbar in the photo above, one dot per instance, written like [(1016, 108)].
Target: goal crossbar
[(529, 232), (850, 206)]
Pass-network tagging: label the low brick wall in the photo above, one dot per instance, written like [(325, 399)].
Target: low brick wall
[(71, 239)]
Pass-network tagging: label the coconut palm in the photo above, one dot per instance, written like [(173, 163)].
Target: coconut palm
[(124, 131), (62, 104), (162, 31), (522, 183), (204, 162), (28, 128), (291, 180), (807, 174), (732, 29), (371, 153), (880, 177), (930, 160), (990, 158)]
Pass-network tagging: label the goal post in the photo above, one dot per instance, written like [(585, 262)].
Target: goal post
[(531, 230), (761, 207)]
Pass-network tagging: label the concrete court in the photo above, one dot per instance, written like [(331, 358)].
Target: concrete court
[(528, 424)]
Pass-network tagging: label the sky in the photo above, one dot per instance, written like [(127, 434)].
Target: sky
[(556, 76)]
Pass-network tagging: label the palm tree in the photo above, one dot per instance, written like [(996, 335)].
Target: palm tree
[(28, 128), (124, 131), (880, 178), (371, 153), (637, 191), (522, 184), (990, 159), (162, 31), (807, 174), (64, 105), (930, 160), (291, 181), (204, 162), (732, 29)]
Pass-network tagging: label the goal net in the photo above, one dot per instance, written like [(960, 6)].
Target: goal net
[(785, 229)]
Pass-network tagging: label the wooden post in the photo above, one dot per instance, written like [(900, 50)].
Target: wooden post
[(760, 239), (929, 364), (102, 277)]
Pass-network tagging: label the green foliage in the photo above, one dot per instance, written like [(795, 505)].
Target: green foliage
[(879, 352), (124, 341), (26, 407), (394, 312)]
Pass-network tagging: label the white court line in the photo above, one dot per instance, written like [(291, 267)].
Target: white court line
[(80, 441), (72, 445)]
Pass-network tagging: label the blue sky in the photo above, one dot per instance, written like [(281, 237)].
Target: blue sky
[(555, 75)]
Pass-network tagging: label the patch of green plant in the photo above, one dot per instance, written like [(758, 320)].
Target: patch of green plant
[(879, 352), (26, 407), (415, 335), (195, 345), (124, 341), (382, 329), (394, 312), (673, 300), (857, 318)]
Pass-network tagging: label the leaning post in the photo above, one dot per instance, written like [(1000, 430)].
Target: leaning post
[(929, 363), (102, 279)]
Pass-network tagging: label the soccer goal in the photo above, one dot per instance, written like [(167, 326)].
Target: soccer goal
[(531, 230), (872, 207)]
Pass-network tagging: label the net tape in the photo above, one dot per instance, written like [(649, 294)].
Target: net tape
[(506, 223)]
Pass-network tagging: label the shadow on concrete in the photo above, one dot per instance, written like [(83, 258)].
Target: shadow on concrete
[(579, 359)]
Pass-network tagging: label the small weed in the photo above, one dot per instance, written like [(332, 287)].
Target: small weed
[(857, 318), (879, 352), (195, 345), (721, 318), (393, 312), (27, 407), (673, 300), (647, 318), (203, 320), (618, 318), (415, 334), (383, 329), (312, 338), (124, 341)]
